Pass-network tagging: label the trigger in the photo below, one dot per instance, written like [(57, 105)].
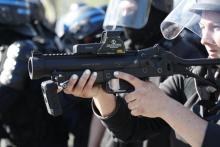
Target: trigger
[(114, 85)]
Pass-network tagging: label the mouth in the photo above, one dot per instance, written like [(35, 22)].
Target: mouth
[(213, 54), (213, 51)]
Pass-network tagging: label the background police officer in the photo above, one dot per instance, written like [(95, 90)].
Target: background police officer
[(23, 113), (140, 21)]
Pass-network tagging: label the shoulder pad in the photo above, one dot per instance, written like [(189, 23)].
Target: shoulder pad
[(21, 49), (14, 68)]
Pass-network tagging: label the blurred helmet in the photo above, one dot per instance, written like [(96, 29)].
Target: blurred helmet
[(37, 10), (104, 7), (187, 15), (76, 6), (81, 23), (17, 12), (132, 13), (14, 12), (68, 18), (18, 15)]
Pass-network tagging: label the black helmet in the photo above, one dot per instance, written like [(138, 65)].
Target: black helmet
[(37, 10), (14, 12), (206, 5), (19, 14), (86, 21)]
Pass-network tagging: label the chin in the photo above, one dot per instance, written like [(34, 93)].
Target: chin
[(213, 56)]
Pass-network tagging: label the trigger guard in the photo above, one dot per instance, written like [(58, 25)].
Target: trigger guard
[(113, 86), (107, 88)]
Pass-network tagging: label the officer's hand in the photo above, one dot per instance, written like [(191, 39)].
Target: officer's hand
[(146, 100), (84, 86)]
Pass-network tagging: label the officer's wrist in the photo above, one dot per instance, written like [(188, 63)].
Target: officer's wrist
[(99, 92), (166, 108), (105, 103)]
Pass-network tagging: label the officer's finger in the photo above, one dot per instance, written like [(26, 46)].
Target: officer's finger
[(133, 105), (71, 84), (135, 112), (90, 83), (82, 81), (129, 78), (129, 98)]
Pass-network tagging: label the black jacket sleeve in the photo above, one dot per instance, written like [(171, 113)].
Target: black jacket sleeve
[(129, 128), (212, 136), (175, 88)]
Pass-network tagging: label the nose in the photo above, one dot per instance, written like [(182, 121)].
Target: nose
[(207, 37)]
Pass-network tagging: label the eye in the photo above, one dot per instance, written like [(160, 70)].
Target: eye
[(216, 27)]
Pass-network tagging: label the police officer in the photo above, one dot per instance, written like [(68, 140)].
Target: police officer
[(83, 24), (188, 106), (23, 113), (141, 21)]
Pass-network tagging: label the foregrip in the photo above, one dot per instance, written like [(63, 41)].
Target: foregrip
[(51, 99)]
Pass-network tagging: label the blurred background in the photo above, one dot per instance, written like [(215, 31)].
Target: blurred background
[(56, 8)]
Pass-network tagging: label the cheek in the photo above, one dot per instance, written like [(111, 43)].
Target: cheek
[(217, 38)]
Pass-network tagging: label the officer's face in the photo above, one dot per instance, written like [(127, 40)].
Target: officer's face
[(128, 7), (210, 26)]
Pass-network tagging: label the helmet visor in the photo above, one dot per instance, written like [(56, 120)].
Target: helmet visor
[(127, 13), (181, 17)]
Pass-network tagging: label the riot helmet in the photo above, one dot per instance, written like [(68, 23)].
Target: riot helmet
[(37, 10), (132, 13), (140, 20), (18, 12), (14, 12), (127, 13), (188, 15), (104, 7), (202, 5), (83, 24), (18, 15), (67, 18), (76, 6)]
